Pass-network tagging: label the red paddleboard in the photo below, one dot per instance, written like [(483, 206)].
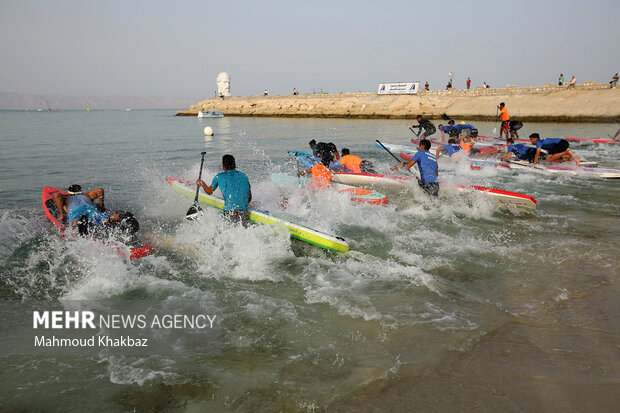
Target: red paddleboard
[(138, 245)]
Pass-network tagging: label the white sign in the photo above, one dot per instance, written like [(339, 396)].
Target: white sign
[(398, 88)]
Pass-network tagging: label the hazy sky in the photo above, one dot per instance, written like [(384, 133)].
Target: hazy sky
[(177, 49)]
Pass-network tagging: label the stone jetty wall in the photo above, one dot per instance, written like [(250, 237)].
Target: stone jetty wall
[(587, 102)]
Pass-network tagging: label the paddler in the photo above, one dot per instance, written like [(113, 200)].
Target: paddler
[(503, 115), (514, 126), (427, 165), (425, 124), (557, 149), (321, 175), (79, 209), (466, 130), (236, 189), (320, 148), (523, 152), (449, 129), (450, 149), (353, 163)]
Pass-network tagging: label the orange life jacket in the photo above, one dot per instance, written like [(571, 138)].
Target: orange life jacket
[(321, 176), (351, 162)]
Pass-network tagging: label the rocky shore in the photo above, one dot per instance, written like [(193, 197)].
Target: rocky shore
[(589, 102)]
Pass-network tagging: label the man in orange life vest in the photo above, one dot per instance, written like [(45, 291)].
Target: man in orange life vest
[(321, 175), (503, 114), (353, 163)]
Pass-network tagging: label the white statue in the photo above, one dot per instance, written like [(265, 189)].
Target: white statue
[(223, 85)]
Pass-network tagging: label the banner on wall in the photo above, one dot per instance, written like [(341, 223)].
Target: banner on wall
[(398, 88)]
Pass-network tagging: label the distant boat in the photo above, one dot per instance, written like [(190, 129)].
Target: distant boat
[(127, 109), (210, 114)]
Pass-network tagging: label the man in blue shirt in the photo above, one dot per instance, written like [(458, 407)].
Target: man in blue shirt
[(467, 130), (525, 153), (427, 165), (451, 148), (557, 149), (79, 209), (450, 130), (236, 189)]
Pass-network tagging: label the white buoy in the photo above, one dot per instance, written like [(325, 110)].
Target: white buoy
[(208, 131)]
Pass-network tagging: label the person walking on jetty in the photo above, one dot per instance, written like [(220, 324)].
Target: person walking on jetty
[(572, 83), (236, 189), (557, 149), (561, 79), (468, 82), (425, 124), (614, 81), (505, 118), (426, 86)]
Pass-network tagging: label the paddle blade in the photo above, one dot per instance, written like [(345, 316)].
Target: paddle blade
[(494, 131), (193, 212)]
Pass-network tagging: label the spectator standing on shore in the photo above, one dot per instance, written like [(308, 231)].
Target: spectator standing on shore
[(503, 115), (572, 83), (426, 86), (561, 79), (265, 93), (614, 81), (468, 83), (295, 92), (449, 85), (484, 85)]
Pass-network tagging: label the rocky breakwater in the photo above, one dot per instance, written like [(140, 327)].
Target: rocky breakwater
[(589, 102)]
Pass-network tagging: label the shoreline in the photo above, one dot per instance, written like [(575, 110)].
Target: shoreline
[(585, 103)]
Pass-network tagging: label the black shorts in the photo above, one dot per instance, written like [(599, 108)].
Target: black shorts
[(558, 147), (432, 188), (429, 131), (505, 124), (531, 154)]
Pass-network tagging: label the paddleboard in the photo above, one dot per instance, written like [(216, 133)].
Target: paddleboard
[(359, 195), (482, 147), (300, 232), (592, 169), (137, 244)]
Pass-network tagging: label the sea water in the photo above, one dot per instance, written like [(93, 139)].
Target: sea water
[(440, 305)]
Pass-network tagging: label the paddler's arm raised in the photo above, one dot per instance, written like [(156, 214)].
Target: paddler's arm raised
[(207, 188)]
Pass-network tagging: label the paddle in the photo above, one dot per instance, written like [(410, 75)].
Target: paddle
[(393, 156), (195, 209), (496, 119)]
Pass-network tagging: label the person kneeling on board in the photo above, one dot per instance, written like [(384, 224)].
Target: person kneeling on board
[(82, 213), (450, 149), (557, 149), (235, 188), (427, 165), (522, 152), (321, 175), (353, 163)]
